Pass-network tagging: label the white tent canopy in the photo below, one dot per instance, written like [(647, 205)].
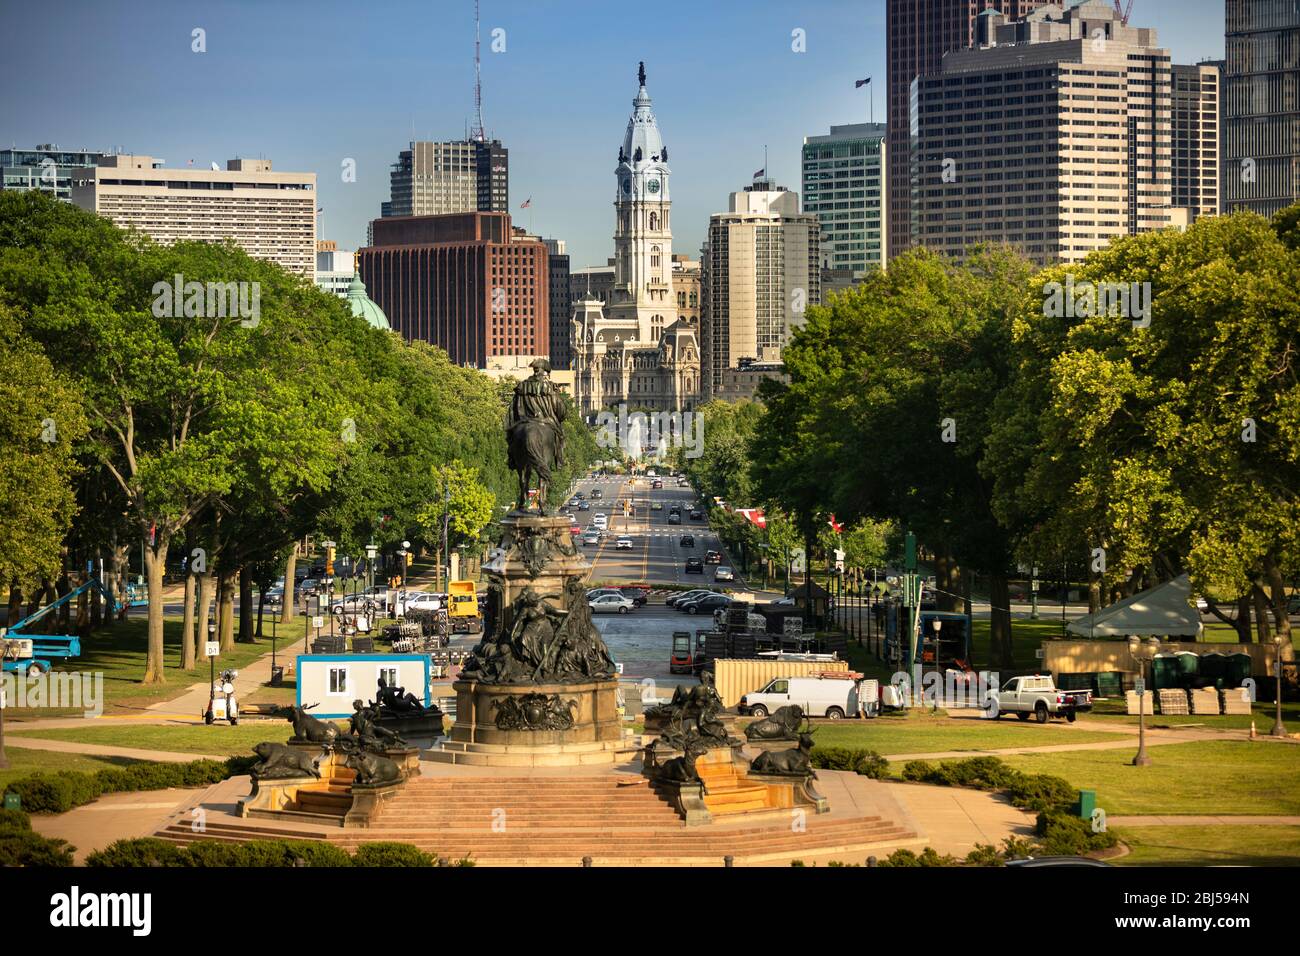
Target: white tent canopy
[(1165, 611)]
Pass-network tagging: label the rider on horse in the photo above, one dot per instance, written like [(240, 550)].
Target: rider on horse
[(535, 430)]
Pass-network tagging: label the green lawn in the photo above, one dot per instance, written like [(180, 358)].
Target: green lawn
[(218, 739), (1210, 846), (925, 734), (23, 762), (1214, 777)]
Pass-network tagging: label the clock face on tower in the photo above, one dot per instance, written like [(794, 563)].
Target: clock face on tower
[(653, 186)]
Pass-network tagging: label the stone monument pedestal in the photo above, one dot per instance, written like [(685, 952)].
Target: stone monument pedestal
[(533, 725)]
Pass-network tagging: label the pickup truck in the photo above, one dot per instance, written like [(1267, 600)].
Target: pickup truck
[(1039, 696)]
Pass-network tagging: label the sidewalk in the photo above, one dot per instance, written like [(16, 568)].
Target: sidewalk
[(102, 750)]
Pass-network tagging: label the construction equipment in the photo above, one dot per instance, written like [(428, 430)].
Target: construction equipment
[(463, 612), (1123, 14), (26, 651)]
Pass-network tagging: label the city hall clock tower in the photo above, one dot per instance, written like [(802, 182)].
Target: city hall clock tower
[(643, 237)]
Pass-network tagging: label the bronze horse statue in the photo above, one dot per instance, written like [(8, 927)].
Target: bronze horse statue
[(535, 432)]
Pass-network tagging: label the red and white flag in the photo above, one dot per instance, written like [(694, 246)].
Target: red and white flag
[(526, 203)]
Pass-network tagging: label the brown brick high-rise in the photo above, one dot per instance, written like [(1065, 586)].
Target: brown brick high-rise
[(461, 282)]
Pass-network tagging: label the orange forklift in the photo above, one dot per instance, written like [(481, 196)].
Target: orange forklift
[(688, 653)]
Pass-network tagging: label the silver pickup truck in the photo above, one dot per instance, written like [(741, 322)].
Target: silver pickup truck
[(1040, 697)]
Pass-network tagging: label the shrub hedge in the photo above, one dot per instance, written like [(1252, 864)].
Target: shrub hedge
[(868, 763), (67, 789), (19, 846), (152, 852), (1037, 791)]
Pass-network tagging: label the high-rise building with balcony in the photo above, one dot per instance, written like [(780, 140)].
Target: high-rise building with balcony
[(1053, 135), (270, 215), (760, 270)]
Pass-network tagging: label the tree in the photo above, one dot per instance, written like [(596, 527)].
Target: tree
[(465, 505), (41, 421)]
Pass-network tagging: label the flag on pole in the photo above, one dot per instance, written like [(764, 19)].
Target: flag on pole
[(761, 173), (861, 83), (526, 203), (836, 526)]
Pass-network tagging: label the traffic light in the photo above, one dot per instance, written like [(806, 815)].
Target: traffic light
[(329, 561), (410, 558)]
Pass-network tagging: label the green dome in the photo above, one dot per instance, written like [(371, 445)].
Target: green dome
[(363, 306)]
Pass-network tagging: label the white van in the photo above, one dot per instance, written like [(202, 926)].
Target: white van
[(833, 697), (600, 521)]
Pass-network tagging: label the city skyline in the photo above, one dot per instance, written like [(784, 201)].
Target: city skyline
[(265, 88)]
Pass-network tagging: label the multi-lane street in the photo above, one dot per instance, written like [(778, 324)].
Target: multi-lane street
[(657, 555)]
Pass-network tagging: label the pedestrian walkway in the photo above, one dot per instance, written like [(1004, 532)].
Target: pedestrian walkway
[(103, 750)]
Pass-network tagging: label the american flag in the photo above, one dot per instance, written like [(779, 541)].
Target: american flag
[(761, 172), (526, 203), (861, 83)]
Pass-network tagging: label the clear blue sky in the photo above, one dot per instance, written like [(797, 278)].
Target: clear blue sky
[(309, 83)]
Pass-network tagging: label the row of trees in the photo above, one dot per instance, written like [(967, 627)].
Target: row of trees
[(954, 399), (127, 418)]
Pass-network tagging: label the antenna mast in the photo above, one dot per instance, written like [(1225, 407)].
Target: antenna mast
[(478, 83)]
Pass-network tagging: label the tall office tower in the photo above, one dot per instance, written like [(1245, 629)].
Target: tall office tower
[(844, 186), (1054, 136), (630, 347), (269, 215), (560, 315), (1196, 133), (917, 35), (46, 168), (760, 270), (436, 179), (1261, 94), (464, 282)]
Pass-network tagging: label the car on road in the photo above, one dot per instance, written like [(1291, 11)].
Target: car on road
[(707, 604), (697, 514), (831, 697), (1038, 695), (584, 505), (274, 597), (309, 586), (687, 541), (597, 493), (378, 595), (579, 495), (694, 566), (600, 520), (656, 484), (656, 506), (597, 592), (724, 573), (712, 557), (610, 604), (638, 596), (423, 600), (677, 599), (674, 517), (575, 528), (591, 538), (623, 544)]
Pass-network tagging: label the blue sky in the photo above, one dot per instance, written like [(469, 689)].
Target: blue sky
[(310, 83)]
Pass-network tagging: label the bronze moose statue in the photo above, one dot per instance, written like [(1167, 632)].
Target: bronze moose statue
[(795, 762), (682, 769), (373, 770), (782, 725), (307, 728)]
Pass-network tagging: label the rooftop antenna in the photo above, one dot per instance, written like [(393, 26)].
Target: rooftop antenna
[(478, 81)]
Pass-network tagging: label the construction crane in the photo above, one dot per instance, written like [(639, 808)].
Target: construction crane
[(1123, 13)]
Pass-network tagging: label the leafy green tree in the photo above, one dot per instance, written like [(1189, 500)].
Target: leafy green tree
[(40, 423)]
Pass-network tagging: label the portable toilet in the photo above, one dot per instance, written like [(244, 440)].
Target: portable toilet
[(1188, 668), (1214, 669), (1164, 671), (1240, 669)]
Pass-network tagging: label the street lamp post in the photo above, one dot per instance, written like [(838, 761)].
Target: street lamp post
[(1140, 654), (212, 670), (1033, 593), (1279, 730), (371, 551)]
